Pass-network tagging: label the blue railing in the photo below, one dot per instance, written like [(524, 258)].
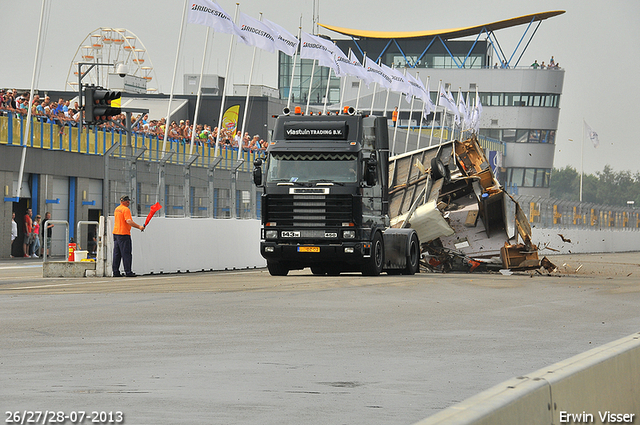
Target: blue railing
[(96, 142)]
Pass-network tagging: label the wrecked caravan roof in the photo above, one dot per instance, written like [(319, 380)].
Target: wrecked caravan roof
[(449, 195)]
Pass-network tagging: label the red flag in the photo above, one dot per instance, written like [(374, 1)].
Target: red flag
[(155, 207)]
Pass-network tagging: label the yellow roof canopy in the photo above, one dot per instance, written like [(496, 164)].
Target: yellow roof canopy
[(448, 33)]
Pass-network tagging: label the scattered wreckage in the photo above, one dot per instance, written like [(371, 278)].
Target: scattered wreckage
[(464, 219)]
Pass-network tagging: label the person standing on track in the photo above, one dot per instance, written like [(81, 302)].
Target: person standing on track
[(122, 237)]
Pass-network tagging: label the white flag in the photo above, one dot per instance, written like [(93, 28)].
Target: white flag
[(477, 113), (345, 66), (446, 100), (462, 106), (359, 69), (399, 82), (206, 12), (377, 74), (285, 41), (417, 88), (314, 47), (428, 104), (256, 33), (591, 134)]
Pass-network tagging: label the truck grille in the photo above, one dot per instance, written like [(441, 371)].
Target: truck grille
[(309, 210)]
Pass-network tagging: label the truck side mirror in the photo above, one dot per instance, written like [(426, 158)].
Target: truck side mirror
[(257, 172), (370, 172)]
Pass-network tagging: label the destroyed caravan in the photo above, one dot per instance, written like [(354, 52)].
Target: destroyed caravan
[(325, 198)]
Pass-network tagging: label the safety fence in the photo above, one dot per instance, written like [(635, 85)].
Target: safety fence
[(181, 187), (93, 141), (554, 213)]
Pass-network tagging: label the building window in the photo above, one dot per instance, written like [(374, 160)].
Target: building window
[(520, 99), (522, 136), (534, 136), (528, 177), (509, 135)]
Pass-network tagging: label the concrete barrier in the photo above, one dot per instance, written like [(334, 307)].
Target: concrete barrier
[(585, 241), (599, 386), (172, 245)]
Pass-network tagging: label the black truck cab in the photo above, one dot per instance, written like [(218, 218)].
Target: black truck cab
[(325, 197)]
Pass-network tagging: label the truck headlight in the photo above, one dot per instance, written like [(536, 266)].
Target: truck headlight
[(349, 234), (348, 250), (271, 234), (269, 249)]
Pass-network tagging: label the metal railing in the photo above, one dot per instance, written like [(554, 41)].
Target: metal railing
[(555, 213), (66, 238), (98, 141)]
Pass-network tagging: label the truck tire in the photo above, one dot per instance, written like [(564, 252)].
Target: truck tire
[(374, 266), (277, 269), (413, 257), (438, 170)]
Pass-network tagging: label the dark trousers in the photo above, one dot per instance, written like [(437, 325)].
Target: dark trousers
[(121, 251)]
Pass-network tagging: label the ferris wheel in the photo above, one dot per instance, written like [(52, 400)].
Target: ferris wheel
[(114, 46)]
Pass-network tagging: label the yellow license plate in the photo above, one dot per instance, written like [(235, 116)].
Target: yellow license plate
[(308, 249)]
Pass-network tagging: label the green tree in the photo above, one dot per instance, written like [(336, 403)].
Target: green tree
[(565, 184)]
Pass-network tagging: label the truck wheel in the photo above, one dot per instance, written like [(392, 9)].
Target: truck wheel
[(374, 266), (413, 259), (438, 170), (277, 269)]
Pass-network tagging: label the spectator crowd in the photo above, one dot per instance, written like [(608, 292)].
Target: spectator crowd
[(66, 117)]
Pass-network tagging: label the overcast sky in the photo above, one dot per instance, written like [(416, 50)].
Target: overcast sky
[(595, 41)]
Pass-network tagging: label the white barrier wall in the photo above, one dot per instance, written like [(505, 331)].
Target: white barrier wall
[(170, 245), (586, 241), (587, 388)]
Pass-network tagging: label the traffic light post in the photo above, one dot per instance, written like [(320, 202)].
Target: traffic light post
[(97, 105), (81, 76), (98, 109)]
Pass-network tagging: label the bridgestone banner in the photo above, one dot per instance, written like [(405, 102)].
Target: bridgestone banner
[(256, 33), (314, 47), (206, 12), (286, 42)]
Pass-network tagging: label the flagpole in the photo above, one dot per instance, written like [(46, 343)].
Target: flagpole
[(293, 70), (359, 86), (27, 130), (344, 83), (424, 104), (386, 103), (435, 110), (406, 141), (462, 120), (224, 88), (582, 159), (395, 129), (313, 71), (443, 122), (246, 103), (195, 116), (467, 117), (173, 80), (373, 95), (326, 95)]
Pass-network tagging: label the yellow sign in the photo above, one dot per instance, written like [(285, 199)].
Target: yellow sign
[(230, 118)]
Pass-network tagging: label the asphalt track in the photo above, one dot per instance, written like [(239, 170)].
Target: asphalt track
[(242, 347)]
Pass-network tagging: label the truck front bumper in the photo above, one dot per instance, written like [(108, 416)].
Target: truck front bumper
[(307, 254)]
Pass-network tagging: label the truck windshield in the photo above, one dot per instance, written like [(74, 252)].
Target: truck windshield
[(312, 167)]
